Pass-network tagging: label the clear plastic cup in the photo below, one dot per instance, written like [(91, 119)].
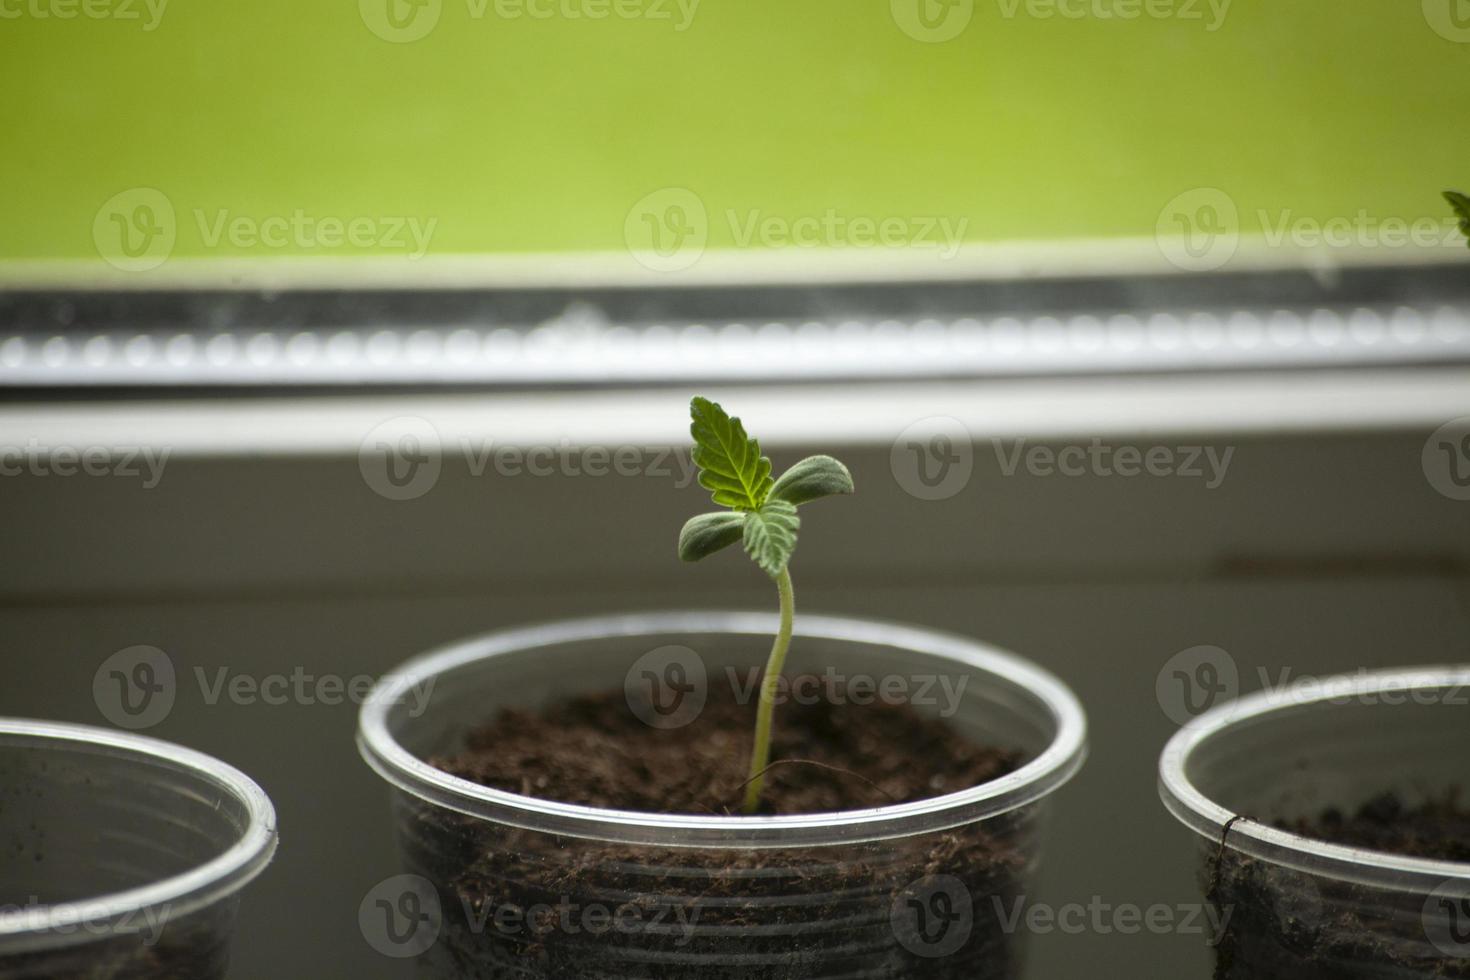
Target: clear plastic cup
[(1298, 908), (121, 857), (506, 885)]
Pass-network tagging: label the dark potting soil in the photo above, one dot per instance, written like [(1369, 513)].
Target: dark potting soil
[(1285, 925), (1438, 829), (528, 905), (828, 756)]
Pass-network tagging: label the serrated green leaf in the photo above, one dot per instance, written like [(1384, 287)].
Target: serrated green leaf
[(704, 535), (770, 535), (1461, 204), (730, 462), (811, 479)]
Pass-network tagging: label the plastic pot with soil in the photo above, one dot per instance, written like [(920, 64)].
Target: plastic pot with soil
[(1334, 826), (567, 800), (121, 856)]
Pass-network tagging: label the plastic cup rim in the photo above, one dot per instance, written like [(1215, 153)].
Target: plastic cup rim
[(1043, 774), (1208, 818), (180, 894)]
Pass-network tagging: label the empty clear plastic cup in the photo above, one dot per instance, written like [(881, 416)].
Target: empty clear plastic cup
[(506, 885), (1295, 907), (121, 857)]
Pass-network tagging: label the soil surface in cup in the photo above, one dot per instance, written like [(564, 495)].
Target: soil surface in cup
[(828, 756), (1438, 829), (1285, 925), (925, 906)]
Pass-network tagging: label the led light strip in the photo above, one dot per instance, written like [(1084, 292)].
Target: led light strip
[(581, 346)]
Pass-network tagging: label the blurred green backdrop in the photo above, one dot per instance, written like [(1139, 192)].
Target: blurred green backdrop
[(538, 125)]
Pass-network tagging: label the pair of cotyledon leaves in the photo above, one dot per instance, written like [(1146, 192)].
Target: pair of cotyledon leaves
[(762, 511)]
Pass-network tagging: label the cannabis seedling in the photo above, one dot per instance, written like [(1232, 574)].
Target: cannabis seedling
[(762, 515), (1461, 204)]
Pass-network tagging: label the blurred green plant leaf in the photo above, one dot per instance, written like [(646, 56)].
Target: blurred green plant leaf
[(1461, 204)]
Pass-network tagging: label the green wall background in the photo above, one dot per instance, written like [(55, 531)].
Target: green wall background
[(521, 134)]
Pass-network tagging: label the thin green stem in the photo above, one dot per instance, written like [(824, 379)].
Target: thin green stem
[(760, 755)]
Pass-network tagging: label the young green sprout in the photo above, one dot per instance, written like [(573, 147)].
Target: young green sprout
[(1461, 204), (761, 515)]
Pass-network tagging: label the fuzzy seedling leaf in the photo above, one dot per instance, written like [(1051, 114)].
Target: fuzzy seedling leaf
[(770, 535), (704, 535), (1461, 204), (811, 479), (730, 463)]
